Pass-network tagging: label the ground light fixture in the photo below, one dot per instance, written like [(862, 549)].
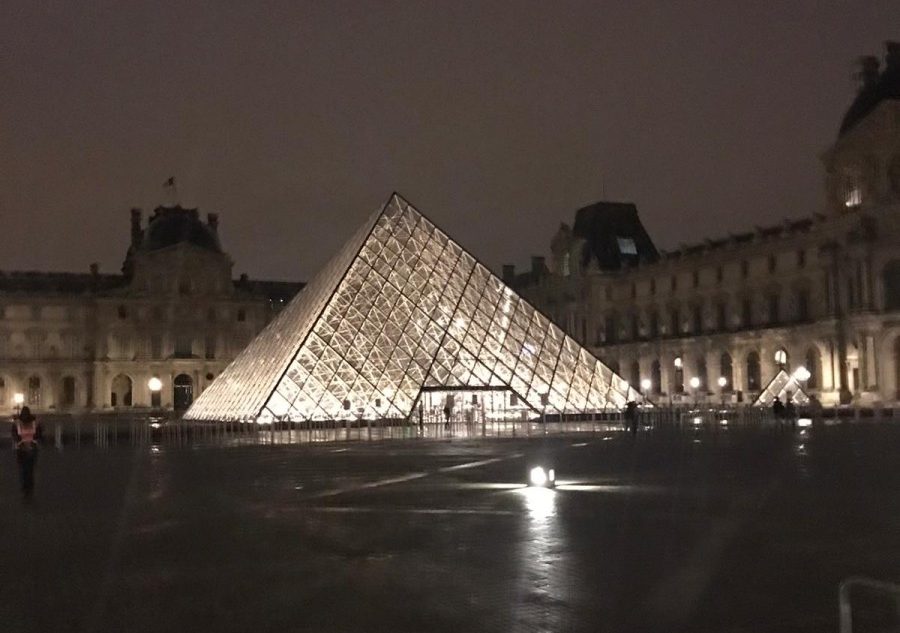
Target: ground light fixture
[(540, 477)]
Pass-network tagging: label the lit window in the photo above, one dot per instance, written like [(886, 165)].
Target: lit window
[(852, 191), (781, 357), (626, 246)]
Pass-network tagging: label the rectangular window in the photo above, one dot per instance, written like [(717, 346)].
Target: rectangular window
[(183, 346), (747, 313), (675, 322), (773, 263), (696, 278), (773, 308), (626, 246), (654, 325), (210, 346), (653, 286), (611, 329), (721, 317), (720, 274), (674, 283), (801, 258), (698, 319), (68, 395), (745, 269), (635, 327), (156, 346), (803, 305)]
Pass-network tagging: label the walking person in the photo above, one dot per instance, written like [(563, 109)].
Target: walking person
[(631, 418), (26, 433)]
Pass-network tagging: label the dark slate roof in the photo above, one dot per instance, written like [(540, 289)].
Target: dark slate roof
[(34, 282), (602, 225), (279, 291), (173, 225), (886, 86)]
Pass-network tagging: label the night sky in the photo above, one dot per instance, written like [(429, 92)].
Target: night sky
[(498, 119)]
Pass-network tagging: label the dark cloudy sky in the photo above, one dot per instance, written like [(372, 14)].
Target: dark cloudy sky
[(295, 120)]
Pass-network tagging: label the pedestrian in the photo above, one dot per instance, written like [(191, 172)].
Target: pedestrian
[(26, 433), (448, 410), (778, 408), (790, 412), (631, 416)]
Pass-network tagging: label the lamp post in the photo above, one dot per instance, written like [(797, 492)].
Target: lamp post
[(723, 382), (155, 386), (18, 400), (695, 385), (646, 385)]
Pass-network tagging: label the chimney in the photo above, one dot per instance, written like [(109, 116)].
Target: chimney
[(867, 74), (212, 220), (135, 227), (538, 266), (509, 274), (892, 55)]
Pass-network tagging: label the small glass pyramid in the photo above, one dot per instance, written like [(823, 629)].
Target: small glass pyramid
[(399, 312), (785, 387)]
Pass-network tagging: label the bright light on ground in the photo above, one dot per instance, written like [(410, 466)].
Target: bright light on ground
[(804, 422), (540, 477)]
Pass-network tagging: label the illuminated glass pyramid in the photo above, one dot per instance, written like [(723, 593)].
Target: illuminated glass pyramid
[(400, 310)]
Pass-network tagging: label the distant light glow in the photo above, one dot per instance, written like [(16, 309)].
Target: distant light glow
[(18, 398), (802, 373), (678, 362), (155, 425), (540, 477), (646, 383), (155, 384), (804, 422), (695, 382), (723, 422), (698, 420), (723, 381)]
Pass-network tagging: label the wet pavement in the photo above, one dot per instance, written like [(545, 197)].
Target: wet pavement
[(706, 529)]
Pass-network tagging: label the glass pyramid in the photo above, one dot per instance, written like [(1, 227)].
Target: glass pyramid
[(402, 308), (783, 386)]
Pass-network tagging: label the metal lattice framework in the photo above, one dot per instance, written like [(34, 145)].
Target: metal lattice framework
[(402, 307), (780, 387)]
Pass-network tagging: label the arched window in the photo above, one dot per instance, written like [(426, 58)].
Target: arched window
[(656, 376), (702, 373), (781, 358), (635, 377), (678, 387), (68, 391), (120, 391), (183, 392), (891, 278), (726, 371), (753, 373), (34, 391), (814, 367)]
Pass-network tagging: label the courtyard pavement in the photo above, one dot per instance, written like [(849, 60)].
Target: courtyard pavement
[(695, 529)]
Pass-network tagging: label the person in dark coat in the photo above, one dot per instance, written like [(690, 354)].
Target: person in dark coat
[(26, 434), (778, 408), (631, 417)]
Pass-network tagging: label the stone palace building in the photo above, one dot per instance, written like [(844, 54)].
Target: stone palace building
[(822, 292), (172, 320)]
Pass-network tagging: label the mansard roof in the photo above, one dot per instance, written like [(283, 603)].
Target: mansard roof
[(175, 225), (614, 236), (876, 87)]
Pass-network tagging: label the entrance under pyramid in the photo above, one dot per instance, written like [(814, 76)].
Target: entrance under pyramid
[(404, 324)]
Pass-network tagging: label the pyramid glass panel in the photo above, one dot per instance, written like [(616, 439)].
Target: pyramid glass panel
[(402, 311)]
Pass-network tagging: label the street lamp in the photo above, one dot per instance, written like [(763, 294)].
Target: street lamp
[(723, 382), (646, 384), (802, 374), (155, 385), (18, 400), (695, 385)]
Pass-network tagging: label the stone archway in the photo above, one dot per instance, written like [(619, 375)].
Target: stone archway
[(182, 392), (120, 393)]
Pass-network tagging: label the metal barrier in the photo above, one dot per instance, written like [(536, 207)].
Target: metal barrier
[(845, 608)]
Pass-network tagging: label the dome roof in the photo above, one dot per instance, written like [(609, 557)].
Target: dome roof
[(876, 87), (173, 225)]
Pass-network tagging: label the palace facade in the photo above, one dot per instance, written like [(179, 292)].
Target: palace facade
[(820, 292), (152, 336)]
